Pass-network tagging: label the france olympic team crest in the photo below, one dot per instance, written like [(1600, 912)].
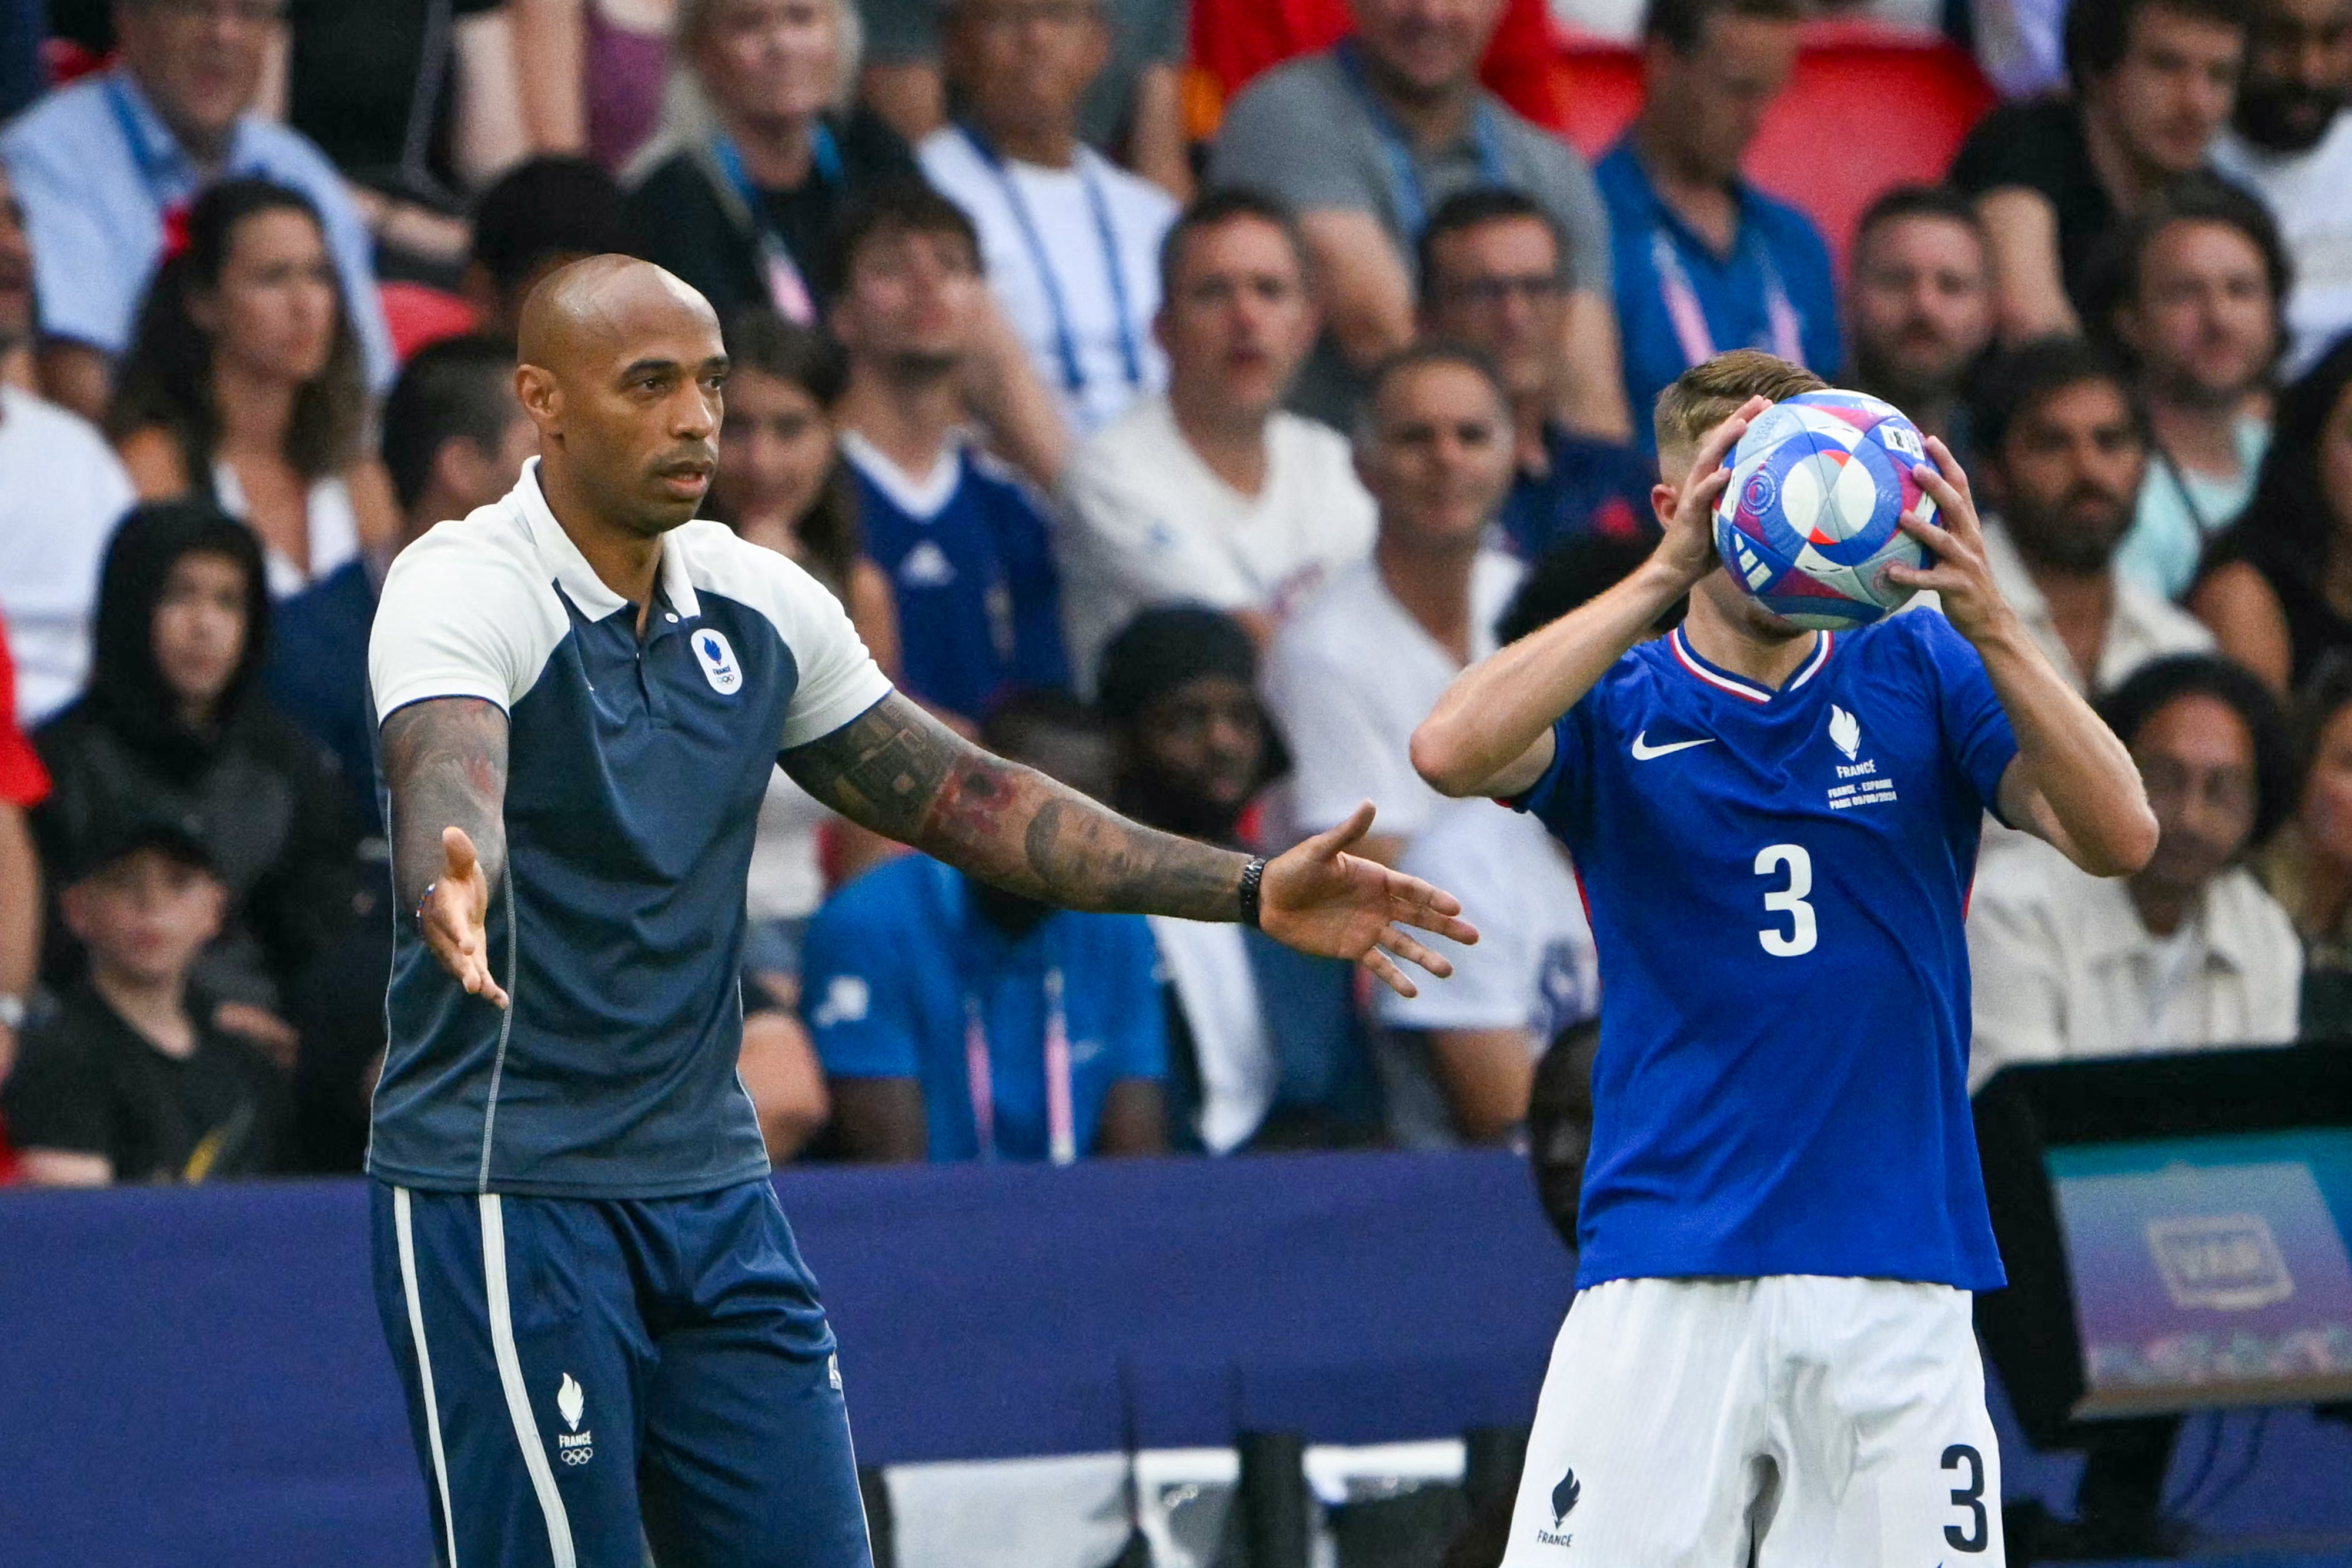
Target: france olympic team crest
[(1808, 523)]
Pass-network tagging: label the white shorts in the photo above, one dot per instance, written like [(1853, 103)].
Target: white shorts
[(1795, 1421)]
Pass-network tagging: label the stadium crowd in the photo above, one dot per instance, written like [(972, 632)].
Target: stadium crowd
[(1184, 448)]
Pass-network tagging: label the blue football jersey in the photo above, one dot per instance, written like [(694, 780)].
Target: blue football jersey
[(1777, 882)]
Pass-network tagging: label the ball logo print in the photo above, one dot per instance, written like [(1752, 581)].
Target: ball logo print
[(1810, 522)]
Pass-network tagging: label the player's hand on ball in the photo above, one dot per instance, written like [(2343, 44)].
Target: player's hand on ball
[(1959, 572), (1322, 900), (1688, 546), (453, 916)]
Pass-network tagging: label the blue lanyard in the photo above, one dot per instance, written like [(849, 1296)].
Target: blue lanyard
[(1405, 176), (1066, 345), (160, 174), (787, 284)]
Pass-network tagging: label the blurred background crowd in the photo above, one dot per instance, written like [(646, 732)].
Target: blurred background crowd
[(1177, 400)]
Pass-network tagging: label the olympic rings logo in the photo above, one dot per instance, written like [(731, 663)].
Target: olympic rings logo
[(577, 1456)]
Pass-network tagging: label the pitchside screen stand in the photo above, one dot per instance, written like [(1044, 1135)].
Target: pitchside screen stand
[(2175, 1229)]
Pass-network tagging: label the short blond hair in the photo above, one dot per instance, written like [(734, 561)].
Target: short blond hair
[(1712, 391)]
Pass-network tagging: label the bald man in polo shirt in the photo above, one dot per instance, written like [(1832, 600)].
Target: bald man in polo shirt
[(583, 692)]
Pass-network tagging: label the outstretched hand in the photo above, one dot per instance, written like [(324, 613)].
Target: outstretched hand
[(454, 915), (1320, 899)]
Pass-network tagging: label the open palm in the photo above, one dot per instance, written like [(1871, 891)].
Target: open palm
[(1320, 899)]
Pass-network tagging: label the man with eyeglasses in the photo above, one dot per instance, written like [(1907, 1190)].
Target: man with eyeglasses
[(108, 168), (1494, 276)]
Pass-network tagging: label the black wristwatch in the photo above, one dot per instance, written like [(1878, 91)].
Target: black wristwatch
[(1252, 875)]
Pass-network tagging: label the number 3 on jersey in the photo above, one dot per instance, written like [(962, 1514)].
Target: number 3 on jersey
[(1801, 934)]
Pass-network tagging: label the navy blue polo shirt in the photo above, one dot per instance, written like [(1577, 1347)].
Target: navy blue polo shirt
[(634, 777), (1777, 258)]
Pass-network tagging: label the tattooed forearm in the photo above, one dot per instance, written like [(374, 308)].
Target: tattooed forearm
[(900, 771), (445, 761)]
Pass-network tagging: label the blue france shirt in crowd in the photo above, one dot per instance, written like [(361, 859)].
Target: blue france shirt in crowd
[(900, 966), (1590, 489), (1680, 300), (971, 567), (1798, 1102)]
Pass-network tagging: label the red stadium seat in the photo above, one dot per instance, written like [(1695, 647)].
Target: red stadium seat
[(419, 314), (1866, 110)]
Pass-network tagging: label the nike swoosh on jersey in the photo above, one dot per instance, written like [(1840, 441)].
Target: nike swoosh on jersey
[(1643, 751)]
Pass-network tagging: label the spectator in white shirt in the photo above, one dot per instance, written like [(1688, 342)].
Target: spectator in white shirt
[(64, 493), (1360, 666), (1534, 972), (2061, 451), (2189, 952), (1212, 492), (1070, 241), (2290, 143), (2192, 300)]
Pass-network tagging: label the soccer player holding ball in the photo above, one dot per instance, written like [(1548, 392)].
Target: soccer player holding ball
[(1770, 1357)]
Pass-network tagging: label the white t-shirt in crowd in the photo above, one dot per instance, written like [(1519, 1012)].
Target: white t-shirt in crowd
[(1349, 678), (333, 526), (2065, 971), (62, 494), (2310, 193), (1534, 967), (1147, 522), (787, 875), (1208, 966), (1077, 240)]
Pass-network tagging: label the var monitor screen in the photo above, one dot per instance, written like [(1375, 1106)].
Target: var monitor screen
[(2209, 1270)]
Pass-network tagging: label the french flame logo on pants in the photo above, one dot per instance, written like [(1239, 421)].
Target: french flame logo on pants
[(576, 1446)]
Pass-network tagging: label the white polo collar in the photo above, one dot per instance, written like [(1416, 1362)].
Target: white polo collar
[(573, 573)]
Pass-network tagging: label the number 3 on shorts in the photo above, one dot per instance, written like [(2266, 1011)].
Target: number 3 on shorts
[(1801, 934), (1961, 1456)]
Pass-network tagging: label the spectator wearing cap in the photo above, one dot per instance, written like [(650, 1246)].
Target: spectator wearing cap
[(134, 1079), (2061, 449), (1365, 140), (1494, 276), (243, 383), (1264, 1048), (1919, 305), (24, 782), (1070, 241), (2290, 143), (2309, 866), (2189, 952), (108, 168), (1213, 493), (540, 215), (1356, 669), (65, 492), (957, 1021), (1534, 972), (175, 726), (2154, 81), (1705, 261), (2192, 301), (454, 438)]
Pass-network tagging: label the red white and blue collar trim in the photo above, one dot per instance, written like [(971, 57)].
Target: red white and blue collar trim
[(1748, 689)]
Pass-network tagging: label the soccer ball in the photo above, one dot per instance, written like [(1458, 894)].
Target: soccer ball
[(1807, 525)]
